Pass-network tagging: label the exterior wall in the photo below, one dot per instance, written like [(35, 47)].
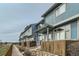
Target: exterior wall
[(74, 30), (41, 25), (22, 35), (71, 10), (68, 32), (51, 35), (28, 32), (50, 18), (43, 37), (35, 35), (31, 32), (59, 35)]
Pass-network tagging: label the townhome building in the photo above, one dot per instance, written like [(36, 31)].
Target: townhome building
[(44, 31), (58, 31), (62, 26), (28, 35), (64, 21)]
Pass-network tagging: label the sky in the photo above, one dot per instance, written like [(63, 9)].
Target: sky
[(15, 16)]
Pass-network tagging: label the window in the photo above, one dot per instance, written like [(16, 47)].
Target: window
[(68, 31), (61, 9), (62, 35), (50, 36), (58, 36)]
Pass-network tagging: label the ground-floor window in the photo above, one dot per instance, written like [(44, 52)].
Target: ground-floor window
[(41, 37), (62, 35), (69, 32), (50, 36), (59, 34)]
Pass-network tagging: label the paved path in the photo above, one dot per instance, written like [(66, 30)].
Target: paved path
[(15, 51)]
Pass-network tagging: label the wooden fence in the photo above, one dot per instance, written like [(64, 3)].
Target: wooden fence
[(28, 44), (61, 47)]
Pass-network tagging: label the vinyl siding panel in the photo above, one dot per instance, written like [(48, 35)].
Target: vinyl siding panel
[(71, 10), (50, 18), (74, 30)]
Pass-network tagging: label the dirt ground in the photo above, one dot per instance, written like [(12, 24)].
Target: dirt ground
[(34, 51)]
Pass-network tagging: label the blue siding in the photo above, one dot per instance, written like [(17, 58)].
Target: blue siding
[(74, 30), (33, 31), (50, 19), (33, 28), (35, 34), (71, 10)]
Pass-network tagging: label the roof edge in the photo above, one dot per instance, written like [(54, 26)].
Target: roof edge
[(51, 9)]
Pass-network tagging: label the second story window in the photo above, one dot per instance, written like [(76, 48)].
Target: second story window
[(61, 9)]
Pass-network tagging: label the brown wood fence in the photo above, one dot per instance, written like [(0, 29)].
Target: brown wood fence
[(61, 47), (29, 44)]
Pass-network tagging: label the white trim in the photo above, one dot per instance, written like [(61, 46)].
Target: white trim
[(78, 29), (59, 11), (71, 18)]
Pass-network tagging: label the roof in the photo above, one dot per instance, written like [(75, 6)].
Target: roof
[(51, 9)]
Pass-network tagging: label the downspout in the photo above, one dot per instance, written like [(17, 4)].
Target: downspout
[(47, 34)]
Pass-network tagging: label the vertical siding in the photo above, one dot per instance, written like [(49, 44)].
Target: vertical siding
[(50, 19), (35, 35), (71, 10), (74, 30)]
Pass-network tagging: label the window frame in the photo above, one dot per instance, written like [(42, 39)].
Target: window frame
[(57, 12)]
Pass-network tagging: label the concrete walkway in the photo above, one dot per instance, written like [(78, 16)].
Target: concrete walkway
[(15, 51)]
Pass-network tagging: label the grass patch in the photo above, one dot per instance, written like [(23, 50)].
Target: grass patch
[(3, 50)]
